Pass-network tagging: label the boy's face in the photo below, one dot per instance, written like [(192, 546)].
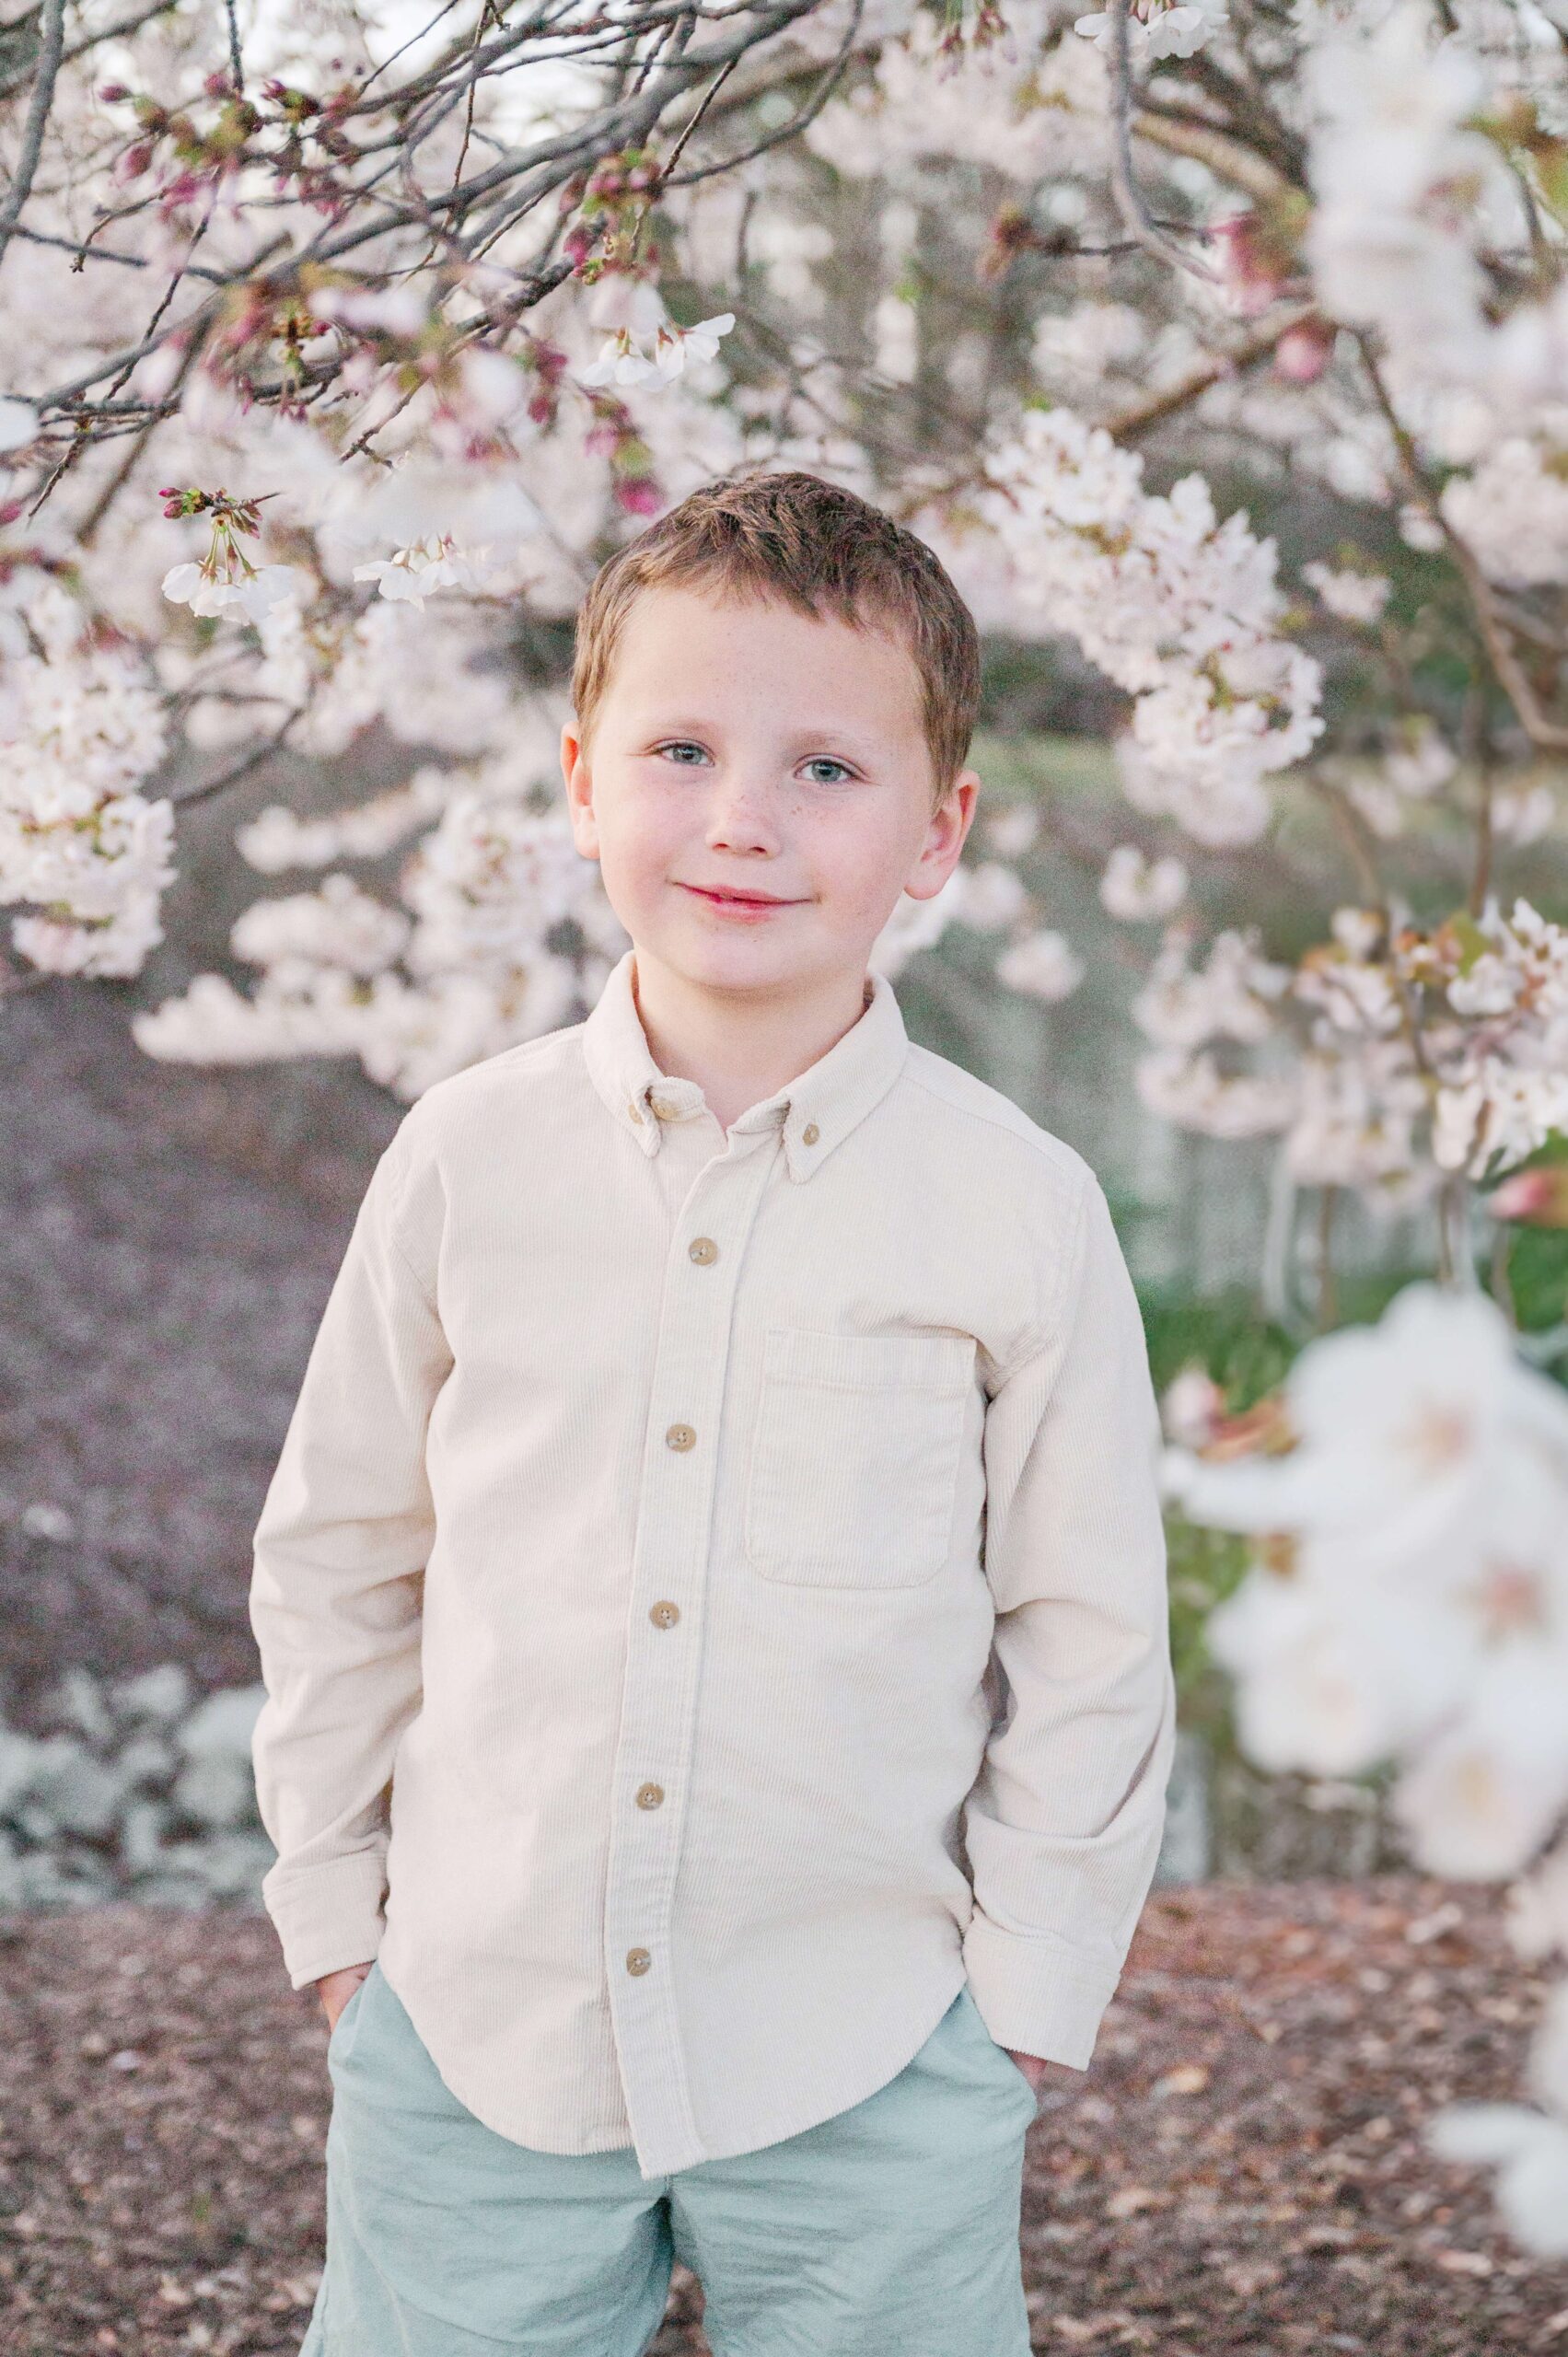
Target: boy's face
[(744, 750)]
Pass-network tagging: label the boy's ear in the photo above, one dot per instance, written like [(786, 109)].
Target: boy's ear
[(956, 811), (948, 825), (579, 790)]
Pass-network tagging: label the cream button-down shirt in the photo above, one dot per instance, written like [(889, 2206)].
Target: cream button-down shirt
[(711, 1597)]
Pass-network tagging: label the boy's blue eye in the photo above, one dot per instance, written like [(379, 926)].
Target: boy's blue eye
[(819, 760), (681, 745)]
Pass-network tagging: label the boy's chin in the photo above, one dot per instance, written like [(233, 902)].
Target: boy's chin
[(749, 961)]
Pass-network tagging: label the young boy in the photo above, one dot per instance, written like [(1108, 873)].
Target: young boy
[(711, 1595)]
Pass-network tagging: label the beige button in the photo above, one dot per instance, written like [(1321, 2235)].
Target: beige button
[(664, 1615), (638, 1960), (649, 1796), (681, 1436), (810, 1133), (635, 1110), (663, 1107), (703, 1249)]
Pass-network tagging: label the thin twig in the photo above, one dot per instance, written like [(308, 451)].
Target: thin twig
[(1326, 1305), (118, 480), (812, 106), (1349, 827), (240, 769)]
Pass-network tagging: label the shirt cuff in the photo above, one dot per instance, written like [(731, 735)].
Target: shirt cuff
[(1036, 1995), (328, 1916)]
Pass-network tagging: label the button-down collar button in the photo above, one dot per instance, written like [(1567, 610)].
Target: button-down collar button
[(649, 1796), (664, 1615), (663, 1109), (635, 1110), (638, 1960), (681, 1436), (703, 1249), (810, 1133)]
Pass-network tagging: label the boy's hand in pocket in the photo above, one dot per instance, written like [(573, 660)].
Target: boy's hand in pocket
[(336, 1987), (1033, 2066)]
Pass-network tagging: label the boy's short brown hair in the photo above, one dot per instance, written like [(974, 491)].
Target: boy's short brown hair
[(790, 535)]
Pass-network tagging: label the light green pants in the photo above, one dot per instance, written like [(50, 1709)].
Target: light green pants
[(890, 2230)]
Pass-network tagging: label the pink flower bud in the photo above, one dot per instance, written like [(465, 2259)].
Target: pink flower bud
[(1251, 271), (1537, 1198), (1302, 352)]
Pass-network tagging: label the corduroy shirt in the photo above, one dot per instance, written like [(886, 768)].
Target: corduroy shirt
[(711, 1597)]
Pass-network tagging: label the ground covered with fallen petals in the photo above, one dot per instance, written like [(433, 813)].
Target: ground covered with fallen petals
[(1241, 2170)]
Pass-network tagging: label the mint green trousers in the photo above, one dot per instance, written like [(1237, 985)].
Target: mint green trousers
[(890, 2230)]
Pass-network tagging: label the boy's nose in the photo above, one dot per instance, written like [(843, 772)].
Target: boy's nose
[(741, 812)]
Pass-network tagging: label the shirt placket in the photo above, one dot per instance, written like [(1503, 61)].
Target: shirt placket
[(664, 1641)]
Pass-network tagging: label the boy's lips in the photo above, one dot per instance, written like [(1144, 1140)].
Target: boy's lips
[(722, 897)]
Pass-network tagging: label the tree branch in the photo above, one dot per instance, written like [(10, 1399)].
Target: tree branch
[(1228, 158), (1125, 185), (51, 42), (1138, 416)]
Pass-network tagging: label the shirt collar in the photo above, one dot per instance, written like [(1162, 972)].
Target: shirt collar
[(816, 1109)]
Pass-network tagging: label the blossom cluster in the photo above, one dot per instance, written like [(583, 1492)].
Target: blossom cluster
[(500, 932), (81, 725), (1381, 1060), (1434, 163), (1504, 1086), (1181, 610)]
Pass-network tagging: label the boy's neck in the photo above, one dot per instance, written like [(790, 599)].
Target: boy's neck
[(740, 1047)]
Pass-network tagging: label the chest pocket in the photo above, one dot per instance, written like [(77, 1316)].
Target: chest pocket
[(854, 1456)]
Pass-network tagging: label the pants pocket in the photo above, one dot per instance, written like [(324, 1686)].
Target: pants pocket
[(341, 2025), (995, 2056)]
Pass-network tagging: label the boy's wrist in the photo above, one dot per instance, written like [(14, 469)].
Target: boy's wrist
[(334, 1988)]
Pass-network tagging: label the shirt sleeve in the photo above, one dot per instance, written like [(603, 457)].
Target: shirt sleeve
[(337, 1590), (1062, 1826)]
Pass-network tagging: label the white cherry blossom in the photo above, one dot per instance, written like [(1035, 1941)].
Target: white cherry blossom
[(1530, 2152), (1538, 1910), (413, 574), (1137, 889), (1188, 1087), (990, 894), (1159, 27), (252, 595), (1042, 965), (1357, 597), (622, 361)]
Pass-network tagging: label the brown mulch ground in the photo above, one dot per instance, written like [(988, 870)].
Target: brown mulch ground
[(1241, 2170)]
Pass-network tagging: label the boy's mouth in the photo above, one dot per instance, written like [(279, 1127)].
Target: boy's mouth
[(751, 903)]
